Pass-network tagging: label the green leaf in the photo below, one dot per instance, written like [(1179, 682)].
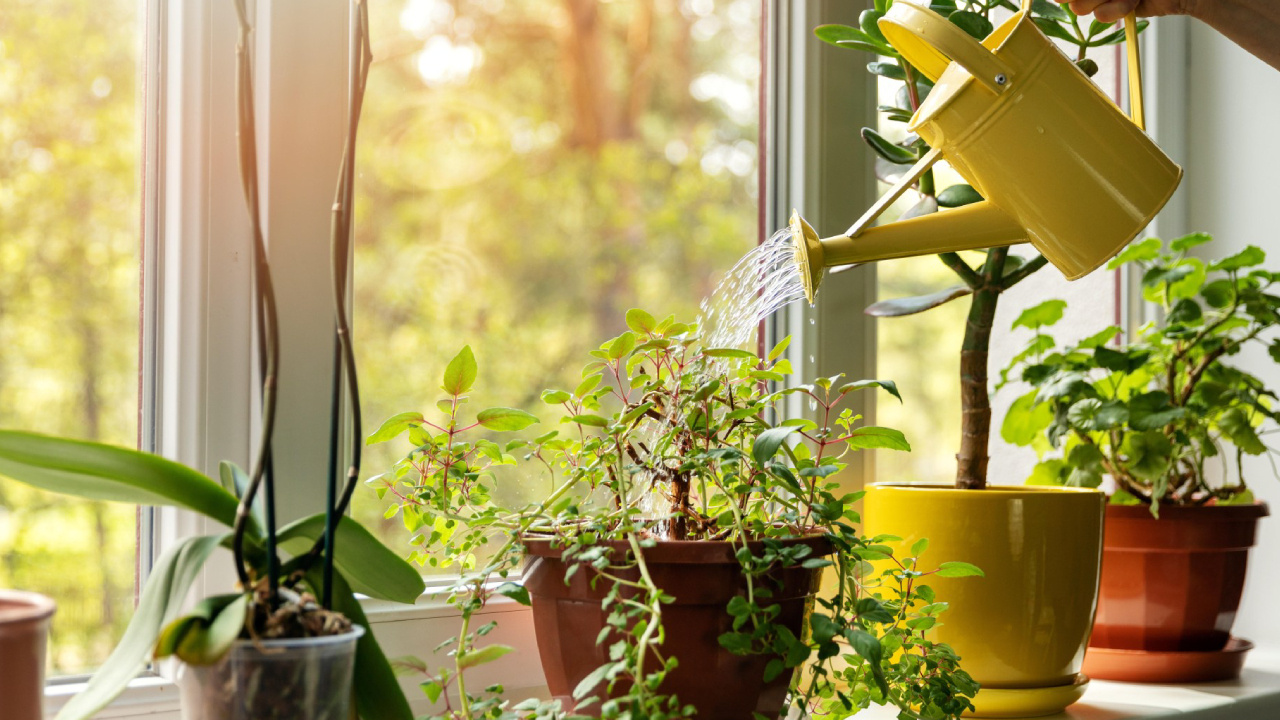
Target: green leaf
[(1147, 454), (621, 346), (898, 307), (516, 592), (1092, 414), (460, 374), (866, 645), (1186, 312), (1048, 472), (1116, 36), (105, 472), (1085, 461), (973, 23), (767, 443), (1245, 497), (589, 683), (378, 693), (590, 420), (958, 196), (162, 597), (733, 353), (216, 623), (1043, 315), (235, 481), (1054, 30), (394, 425), (1050, 10), (641, 321), (778, 349), (868, 22), (956, 569), (919, 547), (870, 436), (834, 34), (1248, 257), (1144, 251), (893, 153), (1152, 411), (893, 71), (1235, 424), (888, 386), (555, 397), (502, 419), (1026, 420), (368, 565), (1186, 242), (483, 655)]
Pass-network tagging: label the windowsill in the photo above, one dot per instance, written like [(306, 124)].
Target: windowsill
[(1254, 696)]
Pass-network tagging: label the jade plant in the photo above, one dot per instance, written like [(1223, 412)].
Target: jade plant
[(999, 270), (295, 581), (664, 439), (1157, 414)]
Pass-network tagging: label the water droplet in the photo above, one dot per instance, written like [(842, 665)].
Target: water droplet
[(1039, 129)]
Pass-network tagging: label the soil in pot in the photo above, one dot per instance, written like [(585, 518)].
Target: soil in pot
[(702, 576), (293, 679), (24, 630), (1170, 585)]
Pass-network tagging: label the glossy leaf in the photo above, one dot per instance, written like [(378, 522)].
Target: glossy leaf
[(204, 636), (1050, 10), (871, 437), (899, 307), (1116, 37), (105, 472), (973, 23), (887, 150), (378, 693), (162, 597), (893, 71), (926, 206), (368, 565), (957, 569), (641, 321), (888, 386), (766, 444), (483, 655), (1054, 30), (867, 21), (958, 196)]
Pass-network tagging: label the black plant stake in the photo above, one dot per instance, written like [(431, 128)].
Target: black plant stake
[(344, 365)]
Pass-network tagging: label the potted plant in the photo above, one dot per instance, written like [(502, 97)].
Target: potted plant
[(1157, 418), (1022, 630), (291, 641), (24, 631), (674, 542)]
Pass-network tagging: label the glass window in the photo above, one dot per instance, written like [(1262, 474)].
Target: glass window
[(69, 287), (530, 170)]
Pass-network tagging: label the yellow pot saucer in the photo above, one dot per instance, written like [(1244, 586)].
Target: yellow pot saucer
[(1027, 702)]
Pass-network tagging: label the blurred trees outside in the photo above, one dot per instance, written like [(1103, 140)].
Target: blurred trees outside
[(69, 286), (528, 171)]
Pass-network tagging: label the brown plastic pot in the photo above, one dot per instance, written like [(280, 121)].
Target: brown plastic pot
[(24, 629), (702, 576), (1172, 584)]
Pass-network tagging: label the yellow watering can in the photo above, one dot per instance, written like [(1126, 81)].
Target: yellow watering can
[(1058, 163)]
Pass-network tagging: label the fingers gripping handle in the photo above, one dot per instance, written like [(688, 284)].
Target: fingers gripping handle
[(930, 42)]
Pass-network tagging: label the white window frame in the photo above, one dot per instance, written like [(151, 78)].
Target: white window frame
[(198, 401)]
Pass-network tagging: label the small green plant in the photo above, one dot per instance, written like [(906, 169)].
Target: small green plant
[(1153, 414), (998, 270), (667, 439)]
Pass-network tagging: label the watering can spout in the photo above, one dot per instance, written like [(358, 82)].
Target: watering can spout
[(980, 225)]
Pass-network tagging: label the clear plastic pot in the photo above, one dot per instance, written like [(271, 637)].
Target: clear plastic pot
[(303, 679)]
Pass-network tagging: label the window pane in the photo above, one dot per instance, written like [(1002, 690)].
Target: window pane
[(69, 259), (529, 170)]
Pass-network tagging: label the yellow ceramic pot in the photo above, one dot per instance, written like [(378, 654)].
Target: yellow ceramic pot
[(1021, 630)]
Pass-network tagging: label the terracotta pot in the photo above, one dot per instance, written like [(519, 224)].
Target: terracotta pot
[(1173, 583), (702, 576), (24, 629)]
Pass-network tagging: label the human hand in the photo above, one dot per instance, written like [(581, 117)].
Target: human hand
[(1109, 11)]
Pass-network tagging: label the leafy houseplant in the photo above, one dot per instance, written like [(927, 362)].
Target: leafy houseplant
[(999, 270), (989, 624), (283, 645), (1157, 416), (668, 465)]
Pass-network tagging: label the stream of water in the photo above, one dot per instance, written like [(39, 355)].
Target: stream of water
[(764, 281)]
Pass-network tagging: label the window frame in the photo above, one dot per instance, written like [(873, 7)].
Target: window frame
[(197, 399)]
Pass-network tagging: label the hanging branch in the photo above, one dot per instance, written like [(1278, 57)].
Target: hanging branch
[(265, 312)]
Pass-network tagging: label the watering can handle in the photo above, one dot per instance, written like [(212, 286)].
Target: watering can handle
[(1135, 71), (930, 42)]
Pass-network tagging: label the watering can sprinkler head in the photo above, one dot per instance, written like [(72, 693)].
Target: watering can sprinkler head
[(808, 254)]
